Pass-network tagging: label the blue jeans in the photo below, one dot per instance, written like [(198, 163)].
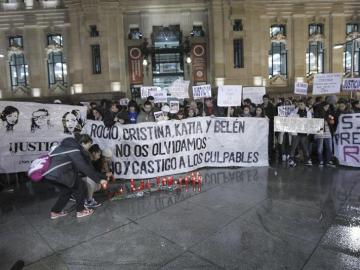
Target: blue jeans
[(324, 146)]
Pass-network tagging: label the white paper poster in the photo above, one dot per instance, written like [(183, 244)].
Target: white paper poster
[(29, 129), (286, 111), (179, 89), (351, 84), (124, 101), (174, 106), (229, 95), (255, 94), (329, 83), (301, 88), (299, 125), (202, 91), (149, 150), (146, 89), (160, 96)]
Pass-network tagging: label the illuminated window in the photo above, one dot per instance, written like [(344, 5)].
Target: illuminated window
[(19, 71), (57, 67)]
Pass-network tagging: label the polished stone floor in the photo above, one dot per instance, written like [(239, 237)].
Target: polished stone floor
[(256, 218)]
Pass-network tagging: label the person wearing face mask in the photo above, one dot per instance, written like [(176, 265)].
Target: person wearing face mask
[(69, 160)]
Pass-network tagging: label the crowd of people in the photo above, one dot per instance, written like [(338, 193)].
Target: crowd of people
[(85, 167), (283, 146)]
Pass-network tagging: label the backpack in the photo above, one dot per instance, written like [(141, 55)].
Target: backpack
[(40, 166)]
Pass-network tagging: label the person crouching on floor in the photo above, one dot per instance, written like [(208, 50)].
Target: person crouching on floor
[(67, 175), (98, 162)]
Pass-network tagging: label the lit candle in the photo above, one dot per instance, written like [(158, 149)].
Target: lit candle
[(142, 185), (169, 181), (187, 183), (164, 182), (200, 183), (148, 184)]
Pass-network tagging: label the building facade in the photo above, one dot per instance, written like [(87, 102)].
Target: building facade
[(94, 48)]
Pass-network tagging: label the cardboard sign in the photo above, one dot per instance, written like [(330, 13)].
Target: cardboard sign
[(179, 89), (201, 91), (301, 88), (146, 89), (325, 84), (352, 84), (160, 96), (159, 116), (124, 101), (229, 95), (174, 106), (299, 125), (286, 111), (255, 94)]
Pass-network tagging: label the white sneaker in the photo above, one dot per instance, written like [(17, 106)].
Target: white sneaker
[(284, 158)]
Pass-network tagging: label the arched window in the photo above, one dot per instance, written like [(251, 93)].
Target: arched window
[(348, 57), (278, 52), (19, 71), (315, 51), (57, 68)]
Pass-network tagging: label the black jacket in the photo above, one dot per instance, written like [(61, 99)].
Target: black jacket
[(109, 117), (66, 175)]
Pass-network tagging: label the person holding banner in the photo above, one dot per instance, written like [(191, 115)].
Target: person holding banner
[(133, 112), (270, 113), (114, 115), (65, 174), (259, 112), (356, 106), (146, 114), (211, 110), (324, 141), (301, 138)]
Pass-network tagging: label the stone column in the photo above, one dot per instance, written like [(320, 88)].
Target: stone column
[(300, 43), (75, 67), (338, 36), (216, 37), (35, 55)]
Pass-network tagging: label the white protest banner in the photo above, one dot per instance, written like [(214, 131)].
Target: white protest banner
[(229, 95), (351, 84), (149, 150), (174, 106), (160, 96), (285, 111), (347, 140), (298, 125), (301, 88), (201, 91), (28, 130), (146, 89), (179, 89), (124, 101), (255, 94), (328, 83)]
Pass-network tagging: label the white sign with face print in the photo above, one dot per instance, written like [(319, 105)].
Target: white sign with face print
[(29, 129)]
